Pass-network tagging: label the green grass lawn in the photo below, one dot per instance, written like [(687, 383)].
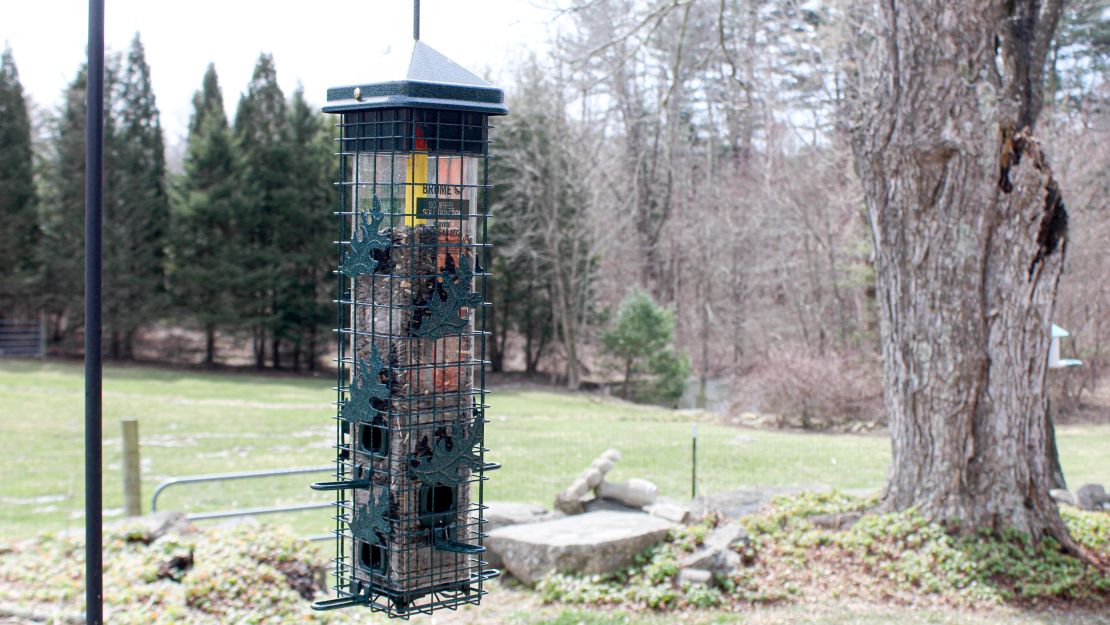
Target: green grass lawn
[(192, 423)]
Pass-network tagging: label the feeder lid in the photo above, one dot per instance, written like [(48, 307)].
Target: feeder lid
[(432, 81), (1058, 332)]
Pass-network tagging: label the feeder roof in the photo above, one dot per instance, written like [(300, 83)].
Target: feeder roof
[(432, 81), (1058, 332)]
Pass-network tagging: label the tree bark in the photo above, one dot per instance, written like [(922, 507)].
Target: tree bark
[(970, 234)]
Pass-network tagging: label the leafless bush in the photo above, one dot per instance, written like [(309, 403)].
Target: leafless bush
[(807, 390)]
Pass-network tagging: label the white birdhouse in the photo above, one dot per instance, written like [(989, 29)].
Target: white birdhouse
[(1054, 361)]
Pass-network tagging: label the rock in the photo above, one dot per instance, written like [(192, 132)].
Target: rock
[(578, 488), (1062, 496), (176, 566), (567, 505), (669, 511), (835, 521), (695, 577), (716, 553), (1091, 496), (591, 543), (723, 561), (601, 504), (593, 477), (612, 455), (603, 465), (506, 513), (741, 502), (862, 493), (149, 528), (634, 492)]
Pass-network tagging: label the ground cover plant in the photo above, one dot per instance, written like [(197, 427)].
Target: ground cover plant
[(195, 422), (243, 574), (796, 553)]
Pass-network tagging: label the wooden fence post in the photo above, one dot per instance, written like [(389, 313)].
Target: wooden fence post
[(132, 483)]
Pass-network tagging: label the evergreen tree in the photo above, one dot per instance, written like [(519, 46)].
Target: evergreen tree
[(19, 233), (136, 225), (265, 185), (204, 226), (306, 235), (61, 260), (640, 340)]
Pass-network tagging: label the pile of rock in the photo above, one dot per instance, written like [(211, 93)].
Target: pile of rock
[(600, 527), (718, 555), (591, 492)]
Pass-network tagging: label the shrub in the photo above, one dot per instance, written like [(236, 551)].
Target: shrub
[(640, 341), (812, 391)]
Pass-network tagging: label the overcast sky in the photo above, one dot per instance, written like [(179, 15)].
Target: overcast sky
[(317, 44)]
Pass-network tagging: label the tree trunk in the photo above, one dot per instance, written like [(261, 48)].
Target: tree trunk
[(209, 344), (496, 349), (313, 341), (1055, 471), (259, 348), (969, 233), (116, 345), (532, 359), (627, 378)]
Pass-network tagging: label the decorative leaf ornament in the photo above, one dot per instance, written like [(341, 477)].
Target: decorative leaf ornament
[(366, 248), (365, 388), (443, 314), (370, 522), (445, 465)]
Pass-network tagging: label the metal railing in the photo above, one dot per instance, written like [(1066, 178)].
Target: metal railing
[(240, 512), (22, 338)]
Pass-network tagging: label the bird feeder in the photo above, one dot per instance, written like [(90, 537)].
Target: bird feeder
[(410, 417), (1054, 360)]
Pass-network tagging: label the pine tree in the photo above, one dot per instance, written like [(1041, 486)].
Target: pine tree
[(306, 234), (136, 225), (204, 262), (265, 183), (19, 233), (60, 257)]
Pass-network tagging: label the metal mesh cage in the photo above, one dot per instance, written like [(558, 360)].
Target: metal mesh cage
[(411, 399)]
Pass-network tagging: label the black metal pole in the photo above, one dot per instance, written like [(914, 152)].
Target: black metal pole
[(694, 461), (94, 204), (416, 20)]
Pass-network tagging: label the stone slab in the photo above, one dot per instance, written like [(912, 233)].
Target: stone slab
[(591, 543)]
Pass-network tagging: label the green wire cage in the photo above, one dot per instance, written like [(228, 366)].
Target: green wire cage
[(411, 399)]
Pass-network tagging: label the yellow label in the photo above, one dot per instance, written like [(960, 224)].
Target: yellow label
[(417, 179)]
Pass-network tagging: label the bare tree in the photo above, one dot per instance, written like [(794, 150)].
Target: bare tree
[(547, 160)]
